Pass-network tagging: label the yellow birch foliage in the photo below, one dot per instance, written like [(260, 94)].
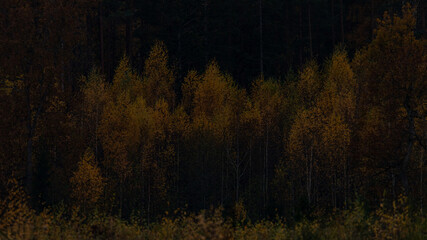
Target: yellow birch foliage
[(304, 135), (268, 97), (15, 211), (95, 96), (305, 139), (117, 129), (188, 89), (94, 92), (392, 223), (320, 137), (309, 84), (87, 182), (18, 221), (115, 135), (158, 78), (126, 81), (392, 69), (180, 122), (214, 102), (391, 72), (251, 119), (337, 103), (140, 121)]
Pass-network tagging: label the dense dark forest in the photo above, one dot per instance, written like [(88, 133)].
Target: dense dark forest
[(147, 113)]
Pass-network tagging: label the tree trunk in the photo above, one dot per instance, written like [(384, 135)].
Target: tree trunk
[(96, 131), (309, 30), (309, 169), (342, 20), (237, 183), (411, 140), (149, 201), (204, 178), (229, 34), (261, 50), (421, 181), (393, 184), (372, 19), (101, 35), (300, 36), (178, 173), (266, 166), (238, 163), (121, 198), (30, 129), (333, 23), (287, 35), (31, 126), (129, 30), (179, 54), (205, 28), (266, 170), (346, 182), (335, 189), (423, 16), (250, 159), (222, 179), (29, 178), (113, 49)]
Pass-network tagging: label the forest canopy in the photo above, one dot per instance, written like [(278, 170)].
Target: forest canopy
[(144, 110)]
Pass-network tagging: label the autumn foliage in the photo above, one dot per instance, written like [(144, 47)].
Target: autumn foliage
[(338, 141)]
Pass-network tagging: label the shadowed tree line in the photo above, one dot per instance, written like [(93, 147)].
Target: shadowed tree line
[(142, 135)]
